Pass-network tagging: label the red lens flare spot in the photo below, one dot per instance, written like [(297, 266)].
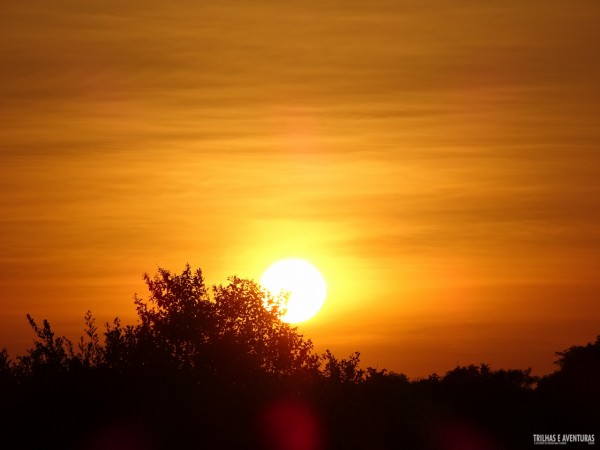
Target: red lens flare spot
[(290, 425)]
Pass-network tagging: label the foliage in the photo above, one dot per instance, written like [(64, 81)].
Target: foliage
[(50, 354), (90, 350), (4, 361), (482, 375), (343, 371), (199, 360), (182, 327), (580, 358), (575, 383), (238, 326), (5, 367)]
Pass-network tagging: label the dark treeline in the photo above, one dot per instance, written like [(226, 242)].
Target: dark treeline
[(216, 369)]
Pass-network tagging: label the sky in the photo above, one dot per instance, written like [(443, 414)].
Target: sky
[(439, 162)]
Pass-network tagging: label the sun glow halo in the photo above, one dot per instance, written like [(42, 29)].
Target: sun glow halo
[(304, 284)]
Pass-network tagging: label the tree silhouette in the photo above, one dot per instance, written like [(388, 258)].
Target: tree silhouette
[(216, 368), (568, 392), (237, 328), (580, 364)]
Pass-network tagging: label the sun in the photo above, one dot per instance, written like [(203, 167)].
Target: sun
[(302, 282)]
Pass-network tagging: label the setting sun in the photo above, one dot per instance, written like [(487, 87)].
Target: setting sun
[(304, 284)]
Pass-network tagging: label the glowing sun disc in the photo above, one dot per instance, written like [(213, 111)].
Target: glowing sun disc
[(304, 283)]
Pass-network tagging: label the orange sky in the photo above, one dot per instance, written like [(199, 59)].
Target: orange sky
[(438, 161)]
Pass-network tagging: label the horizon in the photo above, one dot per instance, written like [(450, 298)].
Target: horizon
[(366, 359)]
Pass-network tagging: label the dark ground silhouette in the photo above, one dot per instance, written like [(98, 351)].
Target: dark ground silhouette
[(218, 370)]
